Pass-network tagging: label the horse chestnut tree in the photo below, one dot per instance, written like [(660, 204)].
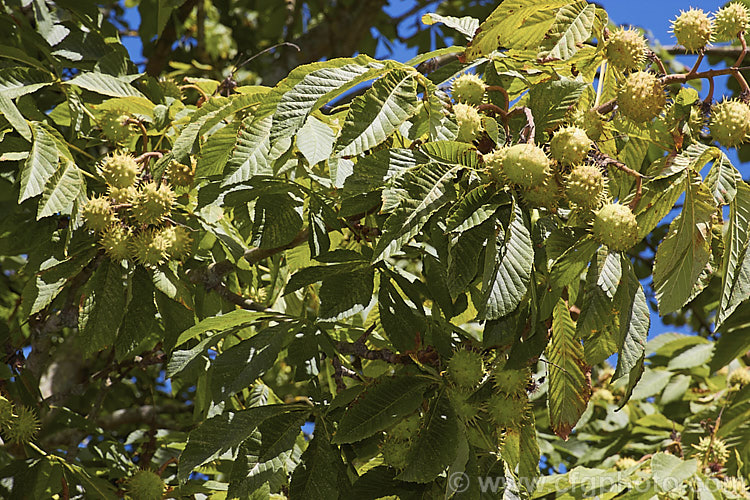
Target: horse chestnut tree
[(428, 275)]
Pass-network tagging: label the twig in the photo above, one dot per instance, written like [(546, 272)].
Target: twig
[(148, 154), (698, 62), (255, 255), (498, 88), (652, 56), (606, 161), (743, 52), (144, 132), (164, 466)]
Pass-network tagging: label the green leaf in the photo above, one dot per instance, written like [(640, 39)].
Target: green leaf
[(313, 274), (435, 447), (315, 140), (432, 187), (573, 26), (550, 101), (310, 87), (464, 255), (597, 323), (103, 308), (659, 196), (238, 367), (16, 82), (684, 253), (399, 321), (345, 294), (473, 209), (569, 386), (216, 151), (41, 164), (225, 431), (14, 117), (735, 282), (276, 221), (320, 473), (507, 269), (466, 25), (379, 406), (514, 24), (375, 115), (233, 319), (670, 471), (251, 153), (61, 190), (722, 179), (568, 267), (452, 153), (104, 84), (140, 323), (635, 320), (373, 171)]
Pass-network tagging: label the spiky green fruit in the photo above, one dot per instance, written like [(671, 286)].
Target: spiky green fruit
[(590, 121), (469, 122), (641, 98), (406, 429), (395, 453), (715, 449), (730, 122), (180, 174), (693, 29), (730, 21), (123, 195), (739, 378), (114, 125), (119, 170), (23, 426), (624, 463), (466, 368), (115, 240), (626, 49), (98, 214), (569, 145), (506, 411), (526, 165), (149, 247), (547, 195), (584, 186), (152, 203), (6, 411), (494, 164), (735, 487), (459, 400), (145, 485), (179, 241), (615, 226), (511, 382), (468, 88)]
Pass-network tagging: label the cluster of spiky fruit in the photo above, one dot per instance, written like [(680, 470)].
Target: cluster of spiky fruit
[(130, 221), (145, 485), (730, 122), (569, 145), (713, 449), (18, 423), (487, 405), (626, 49)]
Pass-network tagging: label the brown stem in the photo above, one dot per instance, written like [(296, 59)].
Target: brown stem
[(204, 96), (656, 59), (166, 464), (149, 154), (158, 59), (255, 255), (698, 62), (743, 52), (361, 351), (65, 490), (607, 161), (498, 88)]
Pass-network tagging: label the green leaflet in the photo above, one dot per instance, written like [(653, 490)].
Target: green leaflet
[(380, 406), (573, 26), (569, 388), (378, 112), (684, 253)]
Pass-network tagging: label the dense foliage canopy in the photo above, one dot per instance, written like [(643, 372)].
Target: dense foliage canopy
[(372, 278)]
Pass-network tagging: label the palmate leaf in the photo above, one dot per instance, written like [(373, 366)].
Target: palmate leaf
[(573, 26), (225, 431), (514, 24), (507, 269), (569, 385), (380, 406), (684, 253), (216, 150), (435, 447), (431, 187), (375, 115), (735, 282)]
